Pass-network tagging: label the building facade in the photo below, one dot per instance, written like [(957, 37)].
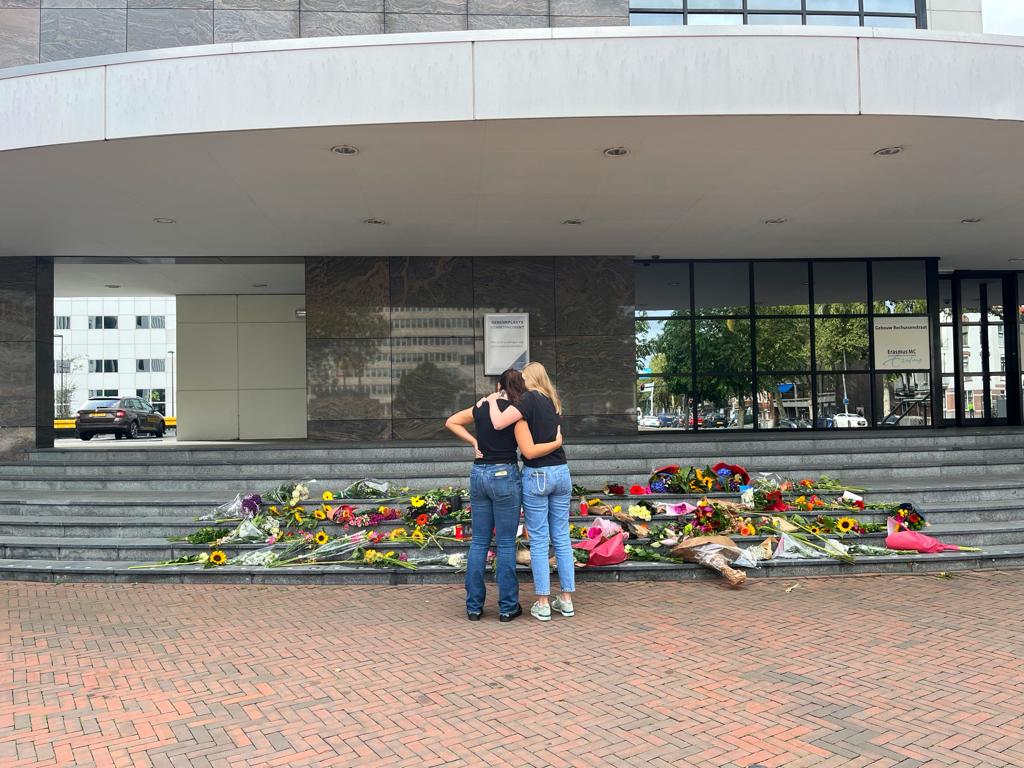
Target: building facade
[(110, 347), (33, 31)]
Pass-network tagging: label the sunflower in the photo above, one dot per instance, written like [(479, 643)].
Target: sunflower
[(319, 514), (321, 538), (328, 496), (417, 501), (815, 530), (298, 517), (846, 524), (217, 557)]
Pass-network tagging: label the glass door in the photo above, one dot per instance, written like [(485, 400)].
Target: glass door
[(972, 327)]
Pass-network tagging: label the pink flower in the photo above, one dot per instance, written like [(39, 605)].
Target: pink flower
[(594, 533), (271, 539)]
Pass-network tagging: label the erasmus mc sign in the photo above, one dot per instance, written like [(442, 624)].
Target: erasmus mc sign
[(901, 343)]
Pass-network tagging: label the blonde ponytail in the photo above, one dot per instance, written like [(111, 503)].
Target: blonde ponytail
[(536, 377)]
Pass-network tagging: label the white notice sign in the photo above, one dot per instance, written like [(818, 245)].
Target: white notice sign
[(506, 342), (901, 343)]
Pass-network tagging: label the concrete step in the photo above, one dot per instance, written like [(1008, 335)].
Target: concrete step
[(1001, 557)]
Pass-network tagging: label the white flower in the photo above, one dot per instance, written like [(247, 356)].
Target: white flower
[(457, 561)]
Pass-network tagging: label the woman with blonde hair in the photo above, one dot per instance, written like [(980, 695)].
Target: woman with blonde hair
[(547, 488)]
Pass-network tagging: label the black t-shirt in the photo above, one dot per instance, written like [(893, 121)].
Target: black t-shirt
[(540, 414), (497, 445)]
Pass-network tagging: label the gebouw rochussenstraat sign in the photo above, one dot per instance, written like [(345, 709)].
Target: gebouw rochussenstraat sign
[(506, 342), (902, 343)]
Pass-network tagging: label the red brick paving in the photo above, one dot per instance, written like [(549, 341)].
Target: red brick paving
[(881, 672)]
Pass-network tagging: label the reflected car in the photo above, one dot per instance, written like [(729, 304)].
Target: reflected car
[(848, 420), (794, 424), (122, 417), (650, 421), (713, 419)]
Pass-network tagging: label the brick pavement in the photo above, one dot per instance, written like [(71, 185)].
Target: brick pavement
[(887, 671)]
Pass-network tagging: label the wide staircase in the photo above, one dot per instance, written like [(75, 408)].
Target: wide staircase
[(81, 513)]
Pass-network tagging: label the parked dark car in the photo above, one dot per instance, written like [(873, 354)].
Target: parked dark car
[(123, 417)]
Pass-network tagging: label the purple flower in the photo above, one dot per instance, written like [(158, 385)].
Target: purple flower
[(403, 557), (658, 486), (251, 504)]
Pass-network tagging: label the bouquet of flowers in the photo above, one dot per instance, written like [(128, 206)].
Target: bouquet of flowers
[(909, 518), (367, 488)]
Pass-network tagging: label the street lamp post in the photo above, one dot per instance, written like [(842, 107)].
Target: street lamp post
[(58, 336), (171, 383)]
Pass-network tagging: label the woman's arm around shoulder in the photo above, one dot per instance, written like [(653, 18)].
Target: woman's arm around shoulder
[(499, 418), (532, 450)]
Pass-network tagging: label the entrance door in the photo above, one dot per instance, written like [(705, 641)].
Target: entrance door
[(978, 385)]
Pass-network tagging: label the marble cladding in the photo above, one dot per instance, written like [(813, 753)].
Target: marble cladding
[(168, 28), (399, 341), (19, 36), (26, 355), (34, 31)]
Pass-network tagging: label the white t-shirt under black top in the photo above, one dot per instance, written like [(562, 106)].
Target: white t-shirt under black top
[(540, 414)]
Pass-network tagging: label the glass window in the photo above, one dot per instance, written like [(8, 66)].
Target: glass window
[(103, 366), (949, 350), (997, 396), (899, 287), (724, 402), (98, 322), (655, 19), (723, 345), (945, 301), (841, 343), (774, 18), (842, 398), (834, 21), (62, 366), (840, 287), (904, 399), (783, 344), (949, 398), (889, 6), (974, 397), (61, 322), (833, 5), (712, 19), (785, 403), (898, 22), (773, 5), (780, 287), (663, 287), (664, 348), (671, 5), (157, 321), (715, 5), (722, 288)]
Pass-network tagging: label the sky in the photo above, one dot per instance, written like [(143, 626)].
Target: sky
[(1003, 17)]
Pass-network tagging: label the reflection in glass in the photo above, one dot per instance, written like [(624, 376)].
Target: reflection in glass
[(833, 21), (723, 345), (994, 297), (904, 399), (889, 6), (832, 5), (949, 349), (844, 401), (723, 403), (996, 349), (997, 397), (774, 18), (715, 5), (899, 287), (783, 344), (655, 19), (949, 398), (780, 288), (663, 286), (785, 402), (660, 408), (840, 287), (841, 343), (893, 22), (945, 301), (722, 288), (712, 19), (773, 5), (970, 348), (673, 5), (663, 346), (974, 397)]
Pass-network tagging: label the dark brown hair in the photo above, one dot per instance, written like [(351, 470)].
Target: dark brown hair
[(511, 381)]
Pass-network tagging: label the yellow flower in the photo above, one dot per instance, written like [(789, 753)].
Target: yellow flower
[(370, 556), (382, 509), (417, 501), (389, 554), (815, 529), (800, 500), (846, 524), (398, 533), (273, 510), (328, 496), (617, 508), (592, 502), (418, 536), (321, 538), (319, 514), (298, 517), (217, 557)]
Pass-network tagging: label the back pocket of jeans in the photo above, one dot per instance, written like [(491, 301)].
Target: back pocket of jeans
[(502, 486)]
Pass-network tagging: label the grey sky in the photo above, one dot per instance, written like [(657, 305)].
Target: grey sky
[(1003, 17)]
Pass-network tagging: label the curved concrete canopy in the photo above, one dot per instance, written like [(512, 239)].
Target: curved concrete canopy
[(483, 143)]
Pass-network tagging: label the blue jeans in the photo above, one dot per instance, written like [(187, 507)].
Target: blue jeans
[(546, 494), (495, 495)]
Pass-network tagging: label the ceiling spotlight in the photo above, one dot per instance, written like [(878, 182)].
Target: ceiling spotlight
[(165, 221), (888, 151), (345, 149), (616, 152), (970, 221), (1017, 258), (111, 285), (573, 222), (673, 285), (259, 285), (377, 222), (776, 221)]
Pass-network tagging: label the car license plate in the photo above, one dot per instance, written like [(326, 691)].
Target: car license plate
[(98, 415)]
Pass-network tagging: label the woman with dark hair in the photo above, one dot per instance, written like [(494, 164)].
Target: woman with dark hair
[(495, 492)]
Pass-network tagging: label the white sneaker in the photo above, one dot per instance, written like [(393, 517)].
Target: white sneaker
[(564, 607), (541, 612)]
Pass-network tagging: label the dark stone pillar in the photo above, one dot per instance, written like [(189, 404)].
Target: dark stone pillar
[(26, 355)]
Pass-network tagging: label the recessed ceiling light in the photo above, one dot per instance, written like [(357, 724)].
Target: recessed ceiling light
[(776, 221), (888, 151), (345, 149), (259, 285), (573, 222), (165, 221), (378, 222), (673, 285), (970, 221), (616, 152), (1016, 258), (111, 285)]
